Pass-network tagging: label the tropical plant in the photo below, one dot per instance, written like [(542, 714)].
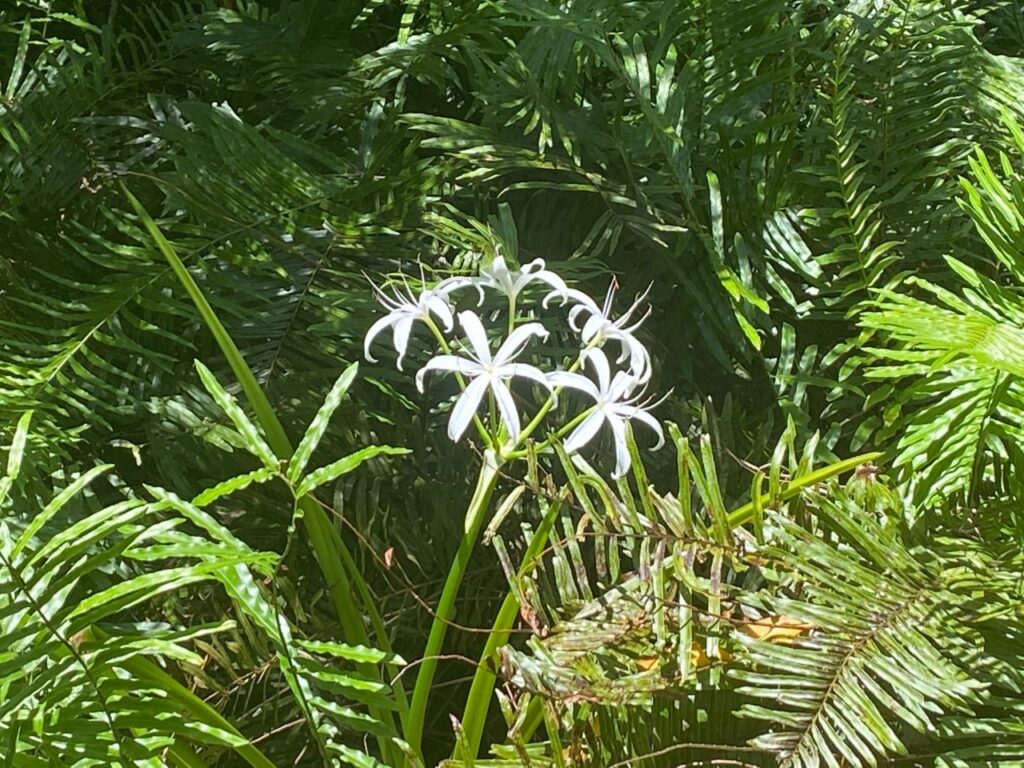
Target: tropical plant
[(780, 183)]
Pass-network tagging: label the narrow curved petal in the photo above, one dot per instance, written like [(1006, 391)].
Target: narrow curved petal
[(506, 407), (622, 387), (624, 352), (585, 432), (447, 363), (599, 361), (498, 275), (555, 295), (521, 280), (496, 268), (594, 328), (633, 412), (639, 358), (477, 336), (583, 304), (557, 284), (403, 327), (465, 407), (371, 334), (516, 340), (622, 457), (480, 283), (562, 379), (450, 284), (442, 309), (524, 371)]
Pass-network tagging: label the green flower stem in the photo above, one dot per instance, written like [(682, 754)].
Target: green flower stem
[(476, 515), (336, 562), (474, 716), (552, 399), (557, 435)]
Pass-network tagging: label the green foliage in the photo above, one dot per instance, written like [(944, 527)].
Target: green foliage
[(827, 198)]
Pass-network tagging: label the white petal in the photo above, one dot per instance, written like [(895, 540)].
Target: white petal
[(371, 334), (442, 309), (477, 336), (499, 275), (622, 387), (639, 358), (403, 327), (622, 458), (507, 408), (465, 407), (524, 371), (583, 304), (497, 269), (585, 432), (450, 284), (516, 340), (639, 414), (557, 283), (574, 381), (594, 327), (522, 280), (447, 363), (599, 360)]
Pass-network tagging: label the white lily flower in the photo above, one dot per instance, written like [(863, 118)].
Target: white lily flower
[(511, 283), (615, 403), (404, 309), (600, 328), (487, 372)]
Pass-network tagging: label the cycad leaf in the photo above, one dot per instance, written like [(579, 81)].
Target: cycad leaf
[(317, 427)]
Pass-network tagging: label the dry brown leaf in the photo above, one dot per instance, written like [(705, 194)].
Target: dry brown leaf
[(776, 629)]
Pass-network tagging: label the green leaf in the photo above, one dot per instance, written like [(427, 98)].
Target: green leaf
[(253, 440), (332, 471), (317, 427)]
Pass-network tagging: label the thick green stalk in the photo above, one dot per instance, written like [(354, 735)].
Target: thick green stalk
[(476, 515), (474, 716), (327, 544)]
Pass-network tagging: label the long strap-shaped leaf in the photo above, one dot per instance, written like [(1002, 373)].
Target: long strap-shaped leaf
[(336, 562), (745, 514)]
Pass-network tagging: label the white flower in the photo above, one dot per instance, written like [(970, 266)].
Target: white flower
[(615, 403), (404, 309), (511, 283), (600, 328), (487, 371)]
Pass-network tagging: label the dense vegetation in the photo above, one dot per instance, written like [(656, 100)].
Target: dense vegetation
[(225, 534)]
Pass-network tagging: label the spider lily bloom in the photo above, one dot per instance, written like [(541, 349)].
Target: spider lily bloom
[(511, 283), (487, 372), (404, 309), (599, 328), (615, 404)]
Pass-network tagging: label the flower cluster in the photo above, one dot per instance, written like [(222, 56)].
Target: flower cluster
[(618, 396)]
